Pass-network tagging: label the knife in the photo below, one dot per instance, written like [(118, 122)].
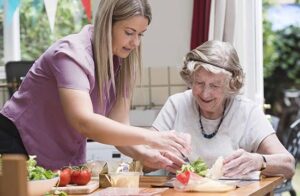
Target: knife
[(240, 179), (185, 158)]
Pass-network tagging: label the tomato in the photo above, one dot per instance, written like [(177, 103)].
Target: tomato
[(184, 177), (81, 176), (74, 168), (75, 176), (65, 176)]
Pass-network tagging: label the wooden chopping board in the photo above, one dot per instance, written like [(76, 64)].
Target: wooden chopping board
[(75, 189)]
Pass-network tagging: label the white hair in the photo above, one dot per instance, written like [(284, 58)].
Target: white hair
[(193, 66)]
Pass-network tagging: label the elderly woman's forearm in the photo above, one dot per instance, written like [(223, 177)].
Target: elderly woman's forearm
[(280, 164)]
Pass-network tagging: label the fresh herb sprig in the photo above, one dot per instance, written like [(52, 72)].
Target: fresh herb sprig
[(36, 172)]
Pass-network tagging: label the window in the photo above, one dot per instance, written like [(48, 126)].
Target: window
[(35, 32)]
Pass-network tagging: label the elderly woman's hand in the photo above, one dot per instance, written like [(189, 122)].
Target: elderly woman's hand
[(241, 162)]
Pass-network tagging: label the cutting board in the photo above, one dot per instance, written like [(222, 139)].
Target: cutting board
[(75, 189), (149, 181)]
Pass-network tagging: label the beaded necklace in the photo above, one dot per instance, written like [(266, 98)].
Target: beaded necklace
[(209, 136)]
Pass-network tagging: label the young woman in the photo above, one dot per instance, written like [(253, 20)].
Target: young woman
[(81, 88)]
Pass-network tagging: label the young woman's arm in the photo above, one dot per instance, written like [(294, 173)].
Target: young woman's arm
[(152, 159), (78, 110)]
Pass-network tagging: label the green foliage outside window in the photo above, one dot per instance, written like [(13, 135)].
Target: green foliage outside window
[(35, 32), (281, 63)]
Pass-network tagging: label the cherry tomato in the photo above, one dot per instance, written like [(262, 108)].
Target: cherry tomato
[(65, 176), (81, 176), (184, 177)]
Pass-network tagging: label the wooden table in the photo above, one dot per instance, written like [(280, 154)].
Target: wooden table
[(253, 188)]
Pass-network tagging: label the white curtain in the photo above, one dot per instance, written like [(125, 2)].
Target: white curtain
[(222, 20), (240, 23)]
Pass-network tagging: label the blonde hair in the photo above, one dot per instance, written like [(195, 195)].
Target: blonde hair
[(216, 57), (109, 12)]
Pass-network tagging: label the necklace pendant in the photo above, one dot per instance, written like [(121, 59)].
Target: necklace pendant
[(209, 136)]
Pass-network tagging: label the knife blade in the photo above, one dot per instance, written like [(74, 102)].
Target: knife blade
[(185, 158), (239, 179)]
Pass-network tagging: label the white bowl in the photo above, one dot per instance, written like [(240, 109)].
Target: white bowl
[(40, 187)]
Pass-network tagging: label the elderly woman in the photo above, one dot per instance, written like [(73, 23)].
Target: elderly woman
[(220, 121)]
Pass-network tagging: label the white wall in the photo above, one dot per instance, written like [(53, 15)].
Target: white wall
[(168, 37)]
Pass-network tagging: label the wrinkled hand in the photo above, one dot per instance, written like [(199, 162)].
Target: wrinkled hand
[(241, 162), (169, 161), (171, 141)]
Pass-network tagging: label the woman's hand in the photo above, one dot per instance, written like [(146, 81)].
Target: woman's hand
[(241, 162), (155, 159), (171, 141)]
